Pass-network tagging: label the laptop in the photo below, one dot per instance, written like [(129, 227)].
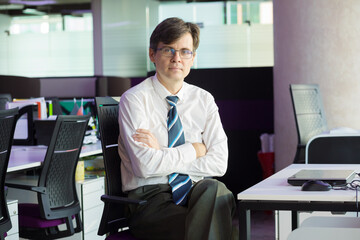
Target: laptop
[(334, 177)]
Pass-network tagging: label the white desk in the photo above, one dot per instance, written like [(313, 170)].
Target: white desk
[(27, 157), (274, 193), (91, 149)]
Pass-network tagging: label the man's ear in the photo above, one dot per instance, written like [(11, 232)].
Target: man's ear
[(152, 55), (193, 58)]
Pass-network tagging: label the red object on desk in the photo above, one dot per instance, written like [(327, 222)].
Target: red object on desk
[(267, 163)]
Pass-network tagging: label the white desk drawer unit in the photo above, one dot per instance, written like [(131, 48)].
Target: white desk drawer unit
[(89, 193), (13, 233)]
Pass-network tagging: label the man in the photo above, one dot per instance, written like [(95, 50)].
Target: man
[(155, 157)]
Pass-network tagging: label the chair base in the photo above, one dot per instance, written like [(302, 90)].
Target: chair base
[(44, 233), (32, 226)]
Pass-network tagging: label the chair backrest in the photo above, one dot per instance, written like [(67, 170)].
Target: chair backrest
[(114, 214), (108, 112), (324, 233), (58, 171), (7, 128), (308, 110), (28, 111), (4, 98), (333, 149), (309, 115)]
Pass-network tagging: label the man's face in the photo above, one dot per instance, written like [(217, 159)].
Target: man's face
[(173, 68)]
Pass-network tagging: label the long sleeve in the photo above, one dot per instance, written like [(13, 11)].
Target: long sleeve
[(215, 162)]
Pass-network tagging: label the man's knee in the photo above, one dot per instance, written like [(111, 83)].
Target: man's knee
[(213, 187), (207, 184), (214, 195)]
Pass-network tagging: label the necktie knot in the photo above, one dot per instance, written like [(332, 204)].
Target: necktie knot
[(172, 100)]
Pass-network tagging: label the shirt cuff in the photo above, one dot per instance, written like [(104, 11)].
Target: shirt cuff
[(188, 152)]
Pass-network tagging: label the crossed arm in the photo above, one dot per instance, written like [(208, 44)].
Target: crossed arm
[(146, 137)]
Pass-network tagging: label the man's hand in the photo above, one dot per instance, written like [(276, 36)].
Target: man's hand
[(200, 149), (147, 138)]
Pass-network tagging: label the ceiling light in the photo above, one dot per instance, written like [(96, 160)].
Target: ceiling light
[(32, 11)]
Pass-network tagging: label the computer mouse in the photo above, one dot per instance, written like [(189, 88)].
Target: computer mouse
[(316, 185)]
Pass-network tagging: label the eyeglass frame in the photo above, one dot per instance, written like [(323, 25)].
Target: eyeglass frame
[(173, 51)]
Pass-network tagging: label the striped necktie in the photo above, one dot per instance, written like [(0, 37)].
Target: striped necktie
[(180, 183)]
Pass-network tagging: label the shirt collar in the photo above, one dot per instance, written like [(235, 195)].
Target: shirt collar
[(163, 92)]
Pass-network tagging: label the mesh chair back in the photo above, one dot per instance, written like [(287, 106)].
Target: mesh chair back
[(308, 111), (58, 172), (7, 128)]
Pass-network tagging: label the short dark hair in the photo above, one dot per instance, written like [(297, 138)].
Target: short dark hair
[(171, 29)]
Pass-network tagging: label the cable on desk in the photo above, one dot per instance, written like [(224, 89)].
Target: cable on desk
[(353, 185), (357, 202), (356, 186)]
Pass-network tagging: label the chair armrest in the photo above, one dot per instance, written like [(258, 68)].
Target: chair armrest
[(121, 200), (27, 187), (114, 217)]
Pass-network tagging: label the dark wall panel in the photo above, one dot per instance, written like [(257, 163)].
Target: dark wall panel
[(245, 100)]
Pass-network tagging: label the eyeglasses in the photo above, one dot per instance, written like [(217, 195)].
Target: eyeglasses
[(170, 52)]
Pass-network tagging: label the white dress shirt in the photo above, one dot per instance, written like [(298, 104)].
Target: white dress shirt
[(145, 106)]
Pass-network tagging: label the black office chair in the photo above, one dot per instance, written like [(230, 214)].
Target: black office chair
[(115, 200), (7, 128), (56, 193), (4, 98), (29, 112), (309, 115), (324, 233), (334, 149)]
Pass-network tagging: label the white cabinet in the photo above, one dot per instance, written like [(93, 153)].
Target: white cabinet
[(13, 233), (89, 193)]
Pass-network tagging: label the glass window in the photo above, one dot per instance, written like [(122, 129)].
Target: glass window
[(233, 34), (48, 45)]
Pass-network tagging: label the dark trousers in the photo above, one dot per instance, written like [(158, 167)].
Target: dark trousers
[(208, 214)]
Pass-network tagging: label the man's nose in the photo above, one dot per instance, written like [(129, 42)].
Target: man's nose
[(176, 56)]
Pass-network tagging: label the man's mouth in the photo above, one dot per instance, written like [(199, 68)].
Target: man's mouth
[(175, 68)]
